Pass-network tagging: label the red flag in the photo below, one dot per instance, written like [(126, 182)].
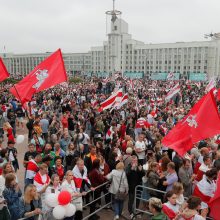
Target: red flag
[(47, 74), (218, 95), (3, 71), (214, 203), (201, 122)]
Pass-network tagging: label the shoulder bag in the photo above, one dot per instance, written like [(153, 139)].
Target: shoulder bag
[(120, 195)]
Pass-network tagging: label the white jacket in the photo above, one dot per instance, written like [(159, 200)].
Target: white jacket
[(115, 177)]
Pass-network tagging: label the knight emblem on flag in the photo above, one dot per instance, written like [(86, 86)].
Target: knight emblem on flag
[(41, 75), (191, 121)]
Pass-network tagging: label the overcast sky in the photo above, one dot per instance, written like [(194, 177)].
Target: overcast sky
[(31, 26)]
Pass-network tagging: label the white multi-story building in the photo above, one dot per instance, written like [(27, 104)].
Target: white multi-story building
[(122, 53), (24, 63)]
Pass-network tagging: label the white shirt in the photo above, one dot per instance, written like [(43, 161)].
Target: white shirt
[(2, 184), (140, 146), (86, 138), (70, 187), (11, 156)]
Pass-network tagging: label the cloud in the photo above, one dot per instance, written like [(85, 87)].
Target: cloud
[(30, 26)]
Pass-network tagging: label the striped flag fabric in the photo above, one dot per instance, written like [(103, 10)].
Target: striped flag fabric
[(94, 103), (109, 134), (202, 190), (108, 103), (124, 100), (173, 91), (210, 85), (120, 101), (170, 76), (141, 123)]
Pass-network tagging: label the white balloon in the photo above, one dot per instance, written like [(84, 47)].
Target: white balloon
[(51, 200), (19, 139), (59, 212), (70, 210)]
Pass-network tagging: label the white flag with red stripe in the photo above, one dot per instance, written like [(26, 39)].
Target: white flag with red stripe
[(108, 103), (173, 92), (205, 190), (170, 76), (124, 100), (109, 134), (211, 85), (94, 103), (141, 123)]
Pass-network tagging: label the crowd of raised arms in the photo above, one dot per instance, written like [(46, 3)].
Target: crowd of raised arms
[(75, 146)]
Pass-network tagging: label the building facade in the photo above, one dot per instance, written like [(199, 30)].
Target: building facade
[(122, 53)]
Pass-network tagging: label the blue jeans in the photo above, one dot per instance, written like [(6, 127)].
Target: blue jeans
[(118, 206)]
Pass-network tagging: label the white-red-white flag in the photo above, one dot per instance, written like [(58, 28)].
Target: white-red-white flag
[(173, 92), (170, 76), (109, 134), (94, 103), (108, 103), (211, 85), (141, 123), (124, 100)]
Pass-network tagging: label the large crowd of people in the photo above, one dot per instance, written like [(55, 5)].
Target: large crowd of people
[(74, 146)]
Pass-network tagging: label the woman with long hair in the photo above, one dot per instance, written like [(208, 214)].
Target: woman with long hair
[(31, 203), (7, 168), (8, 128), (151, 179), (12, 194)]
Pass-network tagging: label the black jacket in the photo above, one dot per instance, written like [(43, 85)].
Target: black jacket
[(134, 177)]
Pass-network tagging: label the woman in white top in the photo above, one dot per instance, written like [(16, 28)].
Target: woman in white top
[(171, 208), (54, 187), (178, 190), (69, 185)]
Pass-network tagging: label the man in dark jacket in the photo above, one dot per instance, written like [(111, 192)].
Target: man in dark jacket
[(134, 175), (89, 158)]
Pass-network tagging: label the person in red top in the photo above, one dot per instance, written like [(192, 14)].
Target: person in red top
[(96, 177), (64, 121), (122, 130), (7, 127), (58, 168), (204, 167)]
